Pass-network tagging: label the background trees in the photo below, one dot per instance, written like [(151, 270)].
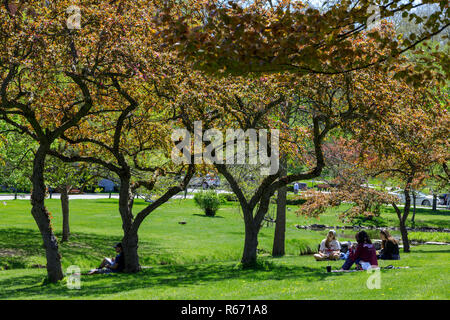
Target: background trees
[(16, 151), (61, 177)]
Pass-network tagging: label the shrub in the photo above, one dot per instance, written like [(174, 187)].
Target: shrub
[(300, 246), (374, 221), (229, 197), (209, 201)]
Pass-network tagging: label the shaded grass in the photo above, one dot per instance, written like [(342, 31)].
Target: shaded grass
[(96, 226), (290, 277)]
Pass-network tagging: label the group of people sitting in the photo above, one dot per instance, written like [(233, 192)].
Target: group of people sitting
[(363, 253)]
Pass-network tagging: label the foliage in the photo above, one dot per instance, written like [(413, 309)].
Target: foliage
[(16, 154), (265, 36), (430, 236)]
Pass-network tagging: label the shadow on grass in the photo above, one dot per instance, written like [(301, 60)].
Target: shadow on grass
[(168, 276), (84, 249), (101, 201), (205, 216)]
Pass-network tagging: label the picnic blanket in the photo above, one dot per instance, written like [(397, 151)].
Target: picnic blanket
[(387, 267)]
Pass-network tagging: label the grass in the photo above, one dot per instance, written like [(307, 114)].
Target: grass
[(199, 259)]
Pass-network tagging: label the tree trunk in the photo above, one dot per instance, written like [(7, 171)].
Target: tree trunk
[(130, 238), (434, 202), (42, 218), (403, 230), (130, 252), (414, 211), (278, 249), (250, 245), (65, 212), (405, 240)]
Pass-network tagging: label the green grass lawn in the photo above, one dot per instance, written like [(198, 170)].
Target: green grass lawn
[(199, 259)]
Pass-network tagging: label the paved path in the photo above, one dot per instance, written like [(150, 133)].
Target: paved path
[(92, 196)]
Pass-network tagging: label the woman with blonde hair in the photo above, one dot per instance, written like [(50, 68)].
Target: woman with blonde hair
[(389, 247), (330, 248)]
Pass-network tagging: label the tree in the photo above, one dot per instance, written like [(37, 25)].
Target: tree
[(413, 137), (133, 142), (403, 146), (253, 37), (324, 103), (43, 88)]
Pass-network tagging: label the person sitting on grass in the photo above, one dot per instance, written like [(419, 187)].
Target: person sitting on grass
[(389, 247), (108, 265), (330, 248), (363, 254)]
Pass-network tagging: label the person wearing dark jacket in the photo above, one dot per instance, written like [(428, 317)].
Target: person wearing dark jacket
[(108, 265), (363, 254), (389, 247)]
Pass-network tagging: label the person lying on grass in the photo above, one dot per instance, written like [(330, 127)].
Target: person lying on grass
[(363, 254), (389, 247), (330, 248), (108, 265)]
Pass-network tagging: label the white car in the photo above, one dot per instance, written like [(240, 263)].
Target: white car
[(422, 199)]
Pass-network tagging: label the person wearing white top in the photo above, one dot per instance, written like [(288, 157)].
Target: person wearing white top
[(330, 248), (296, 188)]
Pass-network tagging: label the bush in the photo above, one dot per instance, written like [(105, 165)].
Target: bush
[(374, 221), (229, 197), (300, 246), (209, 201)]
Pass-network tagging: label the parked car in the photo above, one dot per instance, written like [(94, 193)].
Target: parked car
[(207, 182), (421, 198), (212, 182), (196, 182)]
